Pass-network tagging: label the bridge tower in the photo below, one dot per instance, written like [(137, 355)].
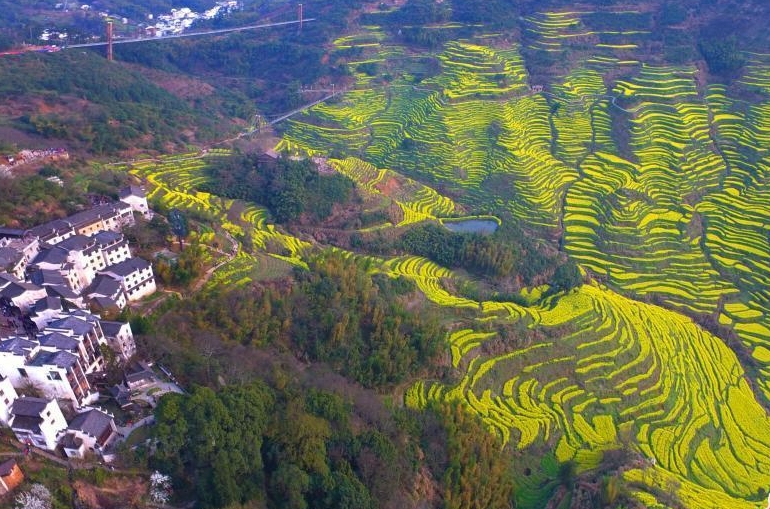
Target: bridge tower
[(109, 40), (299, 16)]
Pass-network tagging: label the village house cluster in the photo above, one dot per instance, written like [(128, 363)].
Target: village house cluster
[(54, 280), (8, 162)]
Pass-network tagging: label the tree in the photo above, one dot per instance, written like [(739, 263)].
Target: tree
[(179, 227), (37, 497), (722, 55), (566, 277), (160, 488)]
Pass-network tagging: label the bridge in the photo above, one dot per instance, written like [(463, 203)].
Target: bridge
[(189, 34)]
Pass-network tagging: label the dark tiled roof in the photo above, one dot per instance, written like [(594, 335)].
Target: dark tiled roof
[(48, 303), (60, 359), (93, 422), (11, 233), (107, 238), (54, 256), (104, 286), (76, 325), (59, 341), (29, 407), (76, 243), (47, 277), (6, 278), (104, 303), (51, 228), (9, 256), (27, 422), (128, 267), (111, 329), (132, 191), (97, 213), (6, 467), (61, 291), (70, 441), (16, 289), (17, 346)]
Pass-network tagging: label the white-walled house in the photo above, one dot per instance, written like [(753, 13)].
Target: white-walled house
[(59, 374), (37, 421), (7, 396), (92, 430), (113, 248), (135, 277), (20, 293), (15, 351), (120, 338), (136, 197)]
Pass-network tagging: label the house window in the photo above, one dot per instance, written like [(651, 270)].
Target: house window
[(54, 375), (23, 372)]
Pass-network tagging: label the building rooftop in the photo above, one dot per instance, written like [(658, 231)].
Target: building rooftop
[(128, 267), (7, 466), (51, 229), (111, 329), (17, 289), (47, 303), (132, 191), (59, 341), (47, 277), (96, 214), (76, 243), (70, 441), (94, 422), (103, 286), (53, 256), (29, 406), (59, 358), (73, 323), (107, 238), (9, 256), (10, 233), (61, 291), (27, 422), (18, 346)]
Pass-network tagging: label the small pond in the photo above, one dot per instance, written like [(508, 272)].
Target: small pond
[(482, 226)]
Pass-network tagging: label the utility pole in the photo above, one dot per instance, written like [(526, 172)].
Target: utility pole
[(109, 40)]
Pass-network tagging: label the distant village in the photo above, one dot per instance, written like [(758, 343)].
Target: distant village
[(175, 22), (56, 281)]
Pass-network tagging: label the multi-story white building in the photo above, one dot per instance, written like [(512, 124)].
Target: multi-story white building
[(135, 277), (20, 293), (113, 247), (7, 397), (90, 431), (136, 197), (120, 338), (37, 421), (59, 374)]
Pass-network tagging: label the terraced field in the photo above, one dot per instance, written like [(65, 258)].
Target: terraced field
[(657, 184), (172, 183), (654, 181)]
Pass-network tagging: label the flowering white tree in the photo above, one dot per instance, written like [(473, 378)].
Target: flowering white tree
[(160, 488), (37, 497)]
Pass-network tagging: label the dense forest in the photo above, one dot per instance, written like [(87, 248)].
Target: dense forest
[(334, 312), (289, 188), (309, 449)]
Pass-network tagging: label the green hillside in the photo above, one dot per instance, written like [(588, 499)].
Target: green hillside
[(653, 178), (612, 336)]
